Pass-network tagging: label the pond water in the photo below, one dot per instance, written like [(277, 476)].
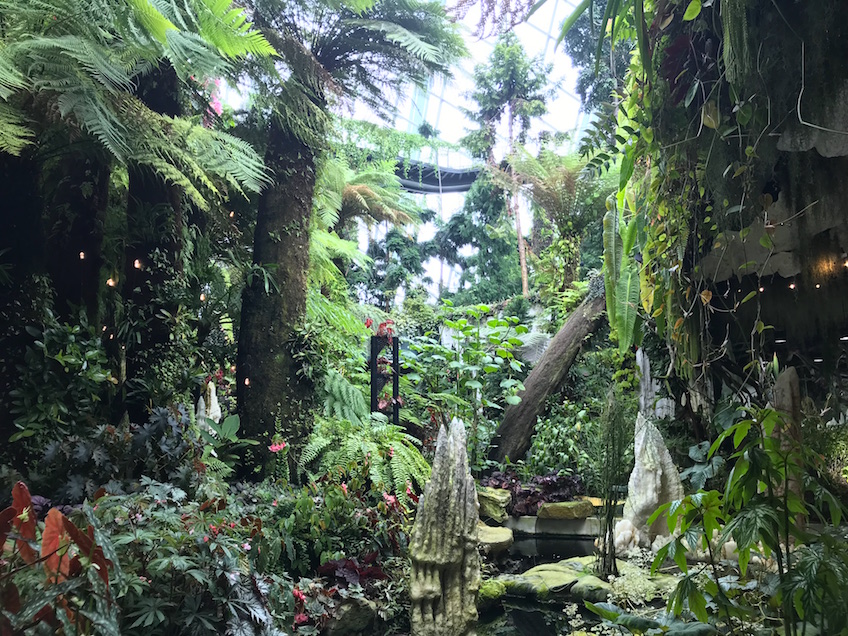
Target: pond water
[(528, 552)]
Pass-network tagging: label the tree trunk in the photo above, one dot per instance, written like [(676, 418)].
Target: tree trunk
[(272, 396), (75, 218), (522, 248), (512, 439), (152, 260)]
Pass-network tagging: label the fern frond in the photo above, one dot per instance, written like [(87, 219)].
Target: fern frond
[(228, 29), (402, 36), (343, 400), (15, 133)]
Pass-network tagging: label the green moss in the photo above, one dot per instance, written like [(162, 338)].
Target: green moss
[(491, 590)]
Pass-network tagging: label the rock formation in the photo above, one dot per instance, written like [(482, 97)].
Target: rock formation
[(445, 573), (207, 405), (653, 482)]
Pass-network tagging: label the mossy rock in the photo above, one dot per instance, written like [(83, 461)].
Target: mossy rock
[(493, 503), (490, 594), (543, 582), (591, 588), (353, 616), (566, 510), (494, 540)]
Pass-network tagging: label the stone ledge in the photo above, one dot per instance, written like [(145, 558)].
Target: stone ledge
[(588, 528)]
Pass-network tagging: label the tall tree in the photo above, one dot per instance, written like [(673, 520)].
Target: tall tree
[(598, 76), (490, 273), (514, 86), (329, 49)]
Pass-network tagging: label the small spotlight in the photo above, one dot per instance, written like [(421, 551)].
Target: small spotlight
[(818, 360), (82, 256), (818, 285), (111, 336), (232, 214), (762, 289), (203, 298), (846, 263), (247, 382), (844, 338), (780, 341), (104, 328), (739, 291), (137, 264), (111, 282), (233, 369), (791, 285)]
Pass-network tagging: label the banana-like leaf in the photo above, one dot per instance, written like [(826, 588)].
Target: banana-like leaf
[(627, 303), (613, 253)]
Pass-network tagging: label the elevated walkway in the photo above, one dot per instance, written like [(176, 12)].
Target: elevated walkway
[(425, 178)]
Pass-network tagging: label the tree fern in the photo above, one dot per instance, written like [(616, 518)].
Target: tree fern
[(79, 59)]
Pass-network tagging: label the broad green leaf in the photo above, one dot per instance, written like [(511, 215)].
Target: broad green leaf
[(627, 302), (692, 11), (710, 115), (613, 252)]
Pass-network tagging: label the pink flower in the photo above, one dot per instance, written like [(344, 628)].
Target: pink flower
[(344, 488), (274, 503), (300, 596), (300, 619), (390, 500), (391, 451), (205, 539), (246, 547), (276, 447)]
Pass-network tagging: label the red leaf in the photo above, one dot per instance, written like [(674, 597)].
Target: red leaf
[(10, 598), (24, 521), (85, 542), (6, 517), (53, 540), (74, 567)]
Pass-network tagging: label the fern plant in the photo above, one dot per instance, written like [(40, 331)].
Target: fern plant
[(71, 67), (392, 456)]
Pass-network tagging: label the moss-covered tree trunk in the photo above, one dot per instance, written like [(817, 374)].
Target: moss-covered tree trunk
[(272, 395), (512, 438)]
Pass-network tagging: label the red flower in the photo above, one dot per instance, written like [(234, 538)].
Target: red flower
[(300, 596), (368, 322)]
